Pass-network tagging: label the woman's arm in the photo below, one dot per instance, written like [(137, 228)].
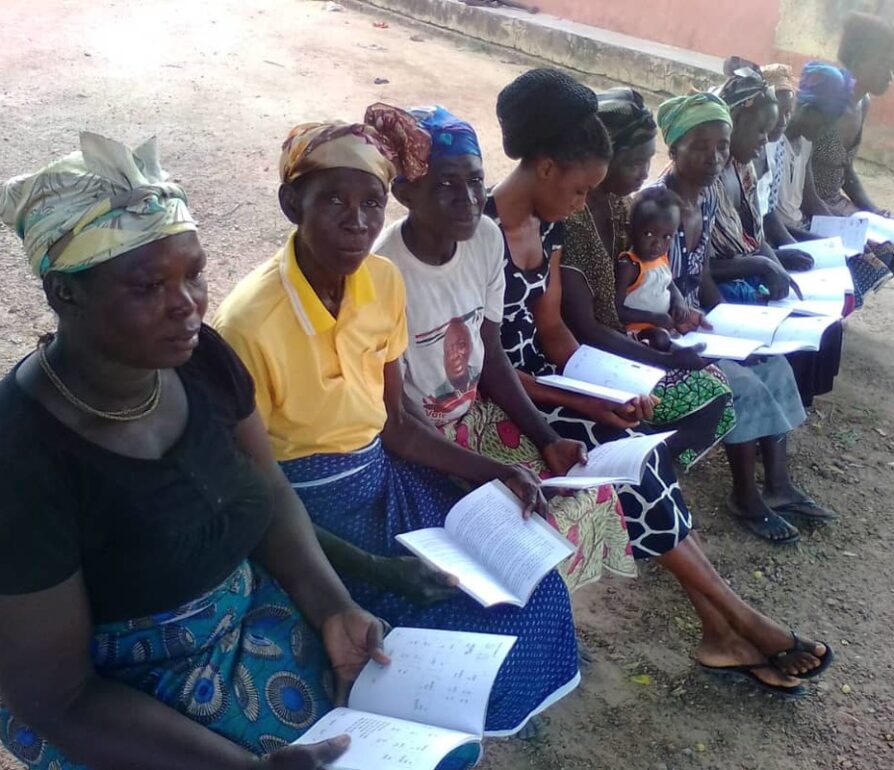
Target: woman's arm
[(48, 681), (709, 295), (413, 438), (557, 340), (500, 384), (853, 186), (811, 204), (626, 272)]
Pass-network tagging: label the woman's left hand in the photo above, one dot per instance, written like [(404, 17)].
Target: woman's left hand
[(352, 638), (526, 487), (563, 454)]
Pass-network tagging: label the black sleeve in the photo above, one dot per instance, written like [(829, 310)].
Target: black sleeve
[(39, 532), (229, 383)]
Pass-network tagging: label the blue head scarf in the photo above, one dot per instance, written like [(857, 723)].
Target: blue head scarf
[(450, 136), (826, 87)]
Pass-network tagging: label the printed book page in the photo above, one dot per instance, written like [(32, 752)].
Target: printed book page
[(821, 307), (614, 462), (587, 389), (880, 229), (829, 284), (519, 552), (437, 548), (793, 334)]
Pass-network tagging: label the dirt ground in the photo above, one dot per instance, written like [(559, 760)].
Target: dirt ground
[(220, 83)]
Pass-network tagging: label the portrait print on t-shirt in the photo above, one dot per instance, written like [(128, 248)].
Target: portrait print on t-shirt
[(459, 375)]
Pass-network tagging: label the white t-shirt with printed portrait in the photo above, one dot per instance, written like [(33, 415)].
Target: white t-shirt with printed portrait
[(446, 305)]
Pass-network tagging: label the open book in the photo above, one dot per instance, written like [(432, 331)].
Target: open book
[(593, 372), (823, 288), (497, 556), (851, 230), (614, 462), (789, 335), (430, 700), (826, 252), (879, 229), (797, 333)]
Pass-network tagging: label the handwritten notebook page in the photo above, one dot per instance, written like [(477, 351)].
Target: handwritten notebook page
[(826, 252), (384, 743), (608, 370), (749, 322), (488, 523), (441, 678)]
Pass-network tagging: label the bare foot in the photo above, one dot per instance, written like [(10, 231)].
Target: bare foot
[(771, 639)]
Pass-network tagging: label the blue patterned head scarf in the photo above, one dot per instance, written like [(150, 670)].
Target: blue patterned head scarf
[(450, 136), (826, 87)]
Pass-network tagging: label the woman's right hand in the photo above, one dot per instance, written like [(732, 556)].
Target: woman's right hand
[(778, 281), (525, 485), (312, 756), (608, 413)]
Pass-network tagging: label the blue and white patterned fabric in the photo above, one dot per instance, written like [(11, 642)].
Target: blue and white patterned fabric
[(367, 498)]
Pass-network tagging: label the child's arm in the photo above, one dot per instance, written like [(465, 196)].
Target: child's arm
[(679, 309), (626, 272)]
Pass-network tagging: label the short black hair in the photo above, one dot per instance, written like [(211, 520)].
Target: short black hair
[(660, 197), (865, 36), (546, 113)]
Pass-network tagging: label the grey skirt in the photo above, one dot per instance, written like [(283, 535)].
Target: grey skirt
[(765, 399)]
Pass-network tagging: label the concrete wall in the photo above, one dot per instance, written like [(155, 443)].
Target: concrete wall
[(708, 26), (792, 31)]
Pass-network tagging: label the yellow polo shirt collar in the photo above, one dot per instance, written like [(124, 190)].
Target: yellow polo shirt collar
[(307, 306)]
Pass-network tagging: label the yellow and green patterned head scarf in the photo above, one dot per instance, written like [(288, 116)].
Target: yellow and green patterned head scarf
[(93, 205), (678, 116)]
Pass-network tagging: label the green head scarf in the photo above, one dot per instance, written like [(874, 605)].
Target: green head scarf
[(678, 116)]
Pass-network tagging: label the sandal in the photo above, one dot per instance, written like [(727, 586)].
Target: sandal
[(800, 646), (766, 526), (746, 673), (805, 509)]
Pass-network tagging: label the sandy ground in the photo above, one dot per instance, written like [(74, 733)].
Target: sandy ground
[(220, 83)]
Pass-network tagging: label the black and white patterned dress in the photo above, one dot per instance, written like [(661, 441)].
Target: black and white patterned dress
[(657, 517)]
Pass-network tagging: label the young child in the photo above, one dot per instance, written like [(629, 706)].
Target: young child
[(649, 303)]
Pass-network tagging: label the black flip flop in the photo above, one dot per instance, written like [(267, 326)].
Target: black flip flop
[(746, 673), (806, 510), (801, 646), (765, 526)]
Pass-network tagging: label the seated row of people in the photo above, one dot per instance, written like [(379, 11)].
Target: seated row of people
[(169, 487)]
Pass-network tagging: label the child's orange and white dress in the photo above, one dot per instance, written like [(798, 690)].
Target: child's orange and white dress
[(650, 291)]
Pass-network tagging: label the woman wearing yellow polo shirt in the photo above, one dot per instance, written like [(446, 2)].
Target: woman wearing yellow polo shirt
[(322, 327)]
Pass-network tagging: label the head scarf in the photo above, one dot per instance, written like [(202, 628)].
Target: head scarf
[(780, 76), (746, 87), (93, 205), (826, 87), (678, 116), (450, 136), (626, 117)]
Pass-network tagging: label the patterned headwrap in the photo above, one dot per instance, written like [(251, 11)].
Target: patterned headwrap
[(678, 116), (626, 117), (450, 136), (826, 87), (746, 87), (93, 205), (780, 76), (388, 142)]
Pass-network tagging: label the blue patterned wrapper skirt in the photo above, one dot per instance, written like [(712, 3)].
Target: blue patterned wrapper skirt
[(368, 497)]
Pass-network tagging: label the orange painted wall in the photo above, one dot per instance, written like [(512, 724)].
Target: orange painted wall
[(708, 26)]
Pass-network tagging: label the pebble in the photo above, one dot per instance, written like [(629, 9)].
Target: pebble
[(701, 748), (846, 689), (758, 575)]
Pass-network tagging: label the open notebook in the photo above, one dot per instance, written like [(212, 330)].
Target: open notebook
[(497, 556), (741, 331), (593, 372), (614, 462), (853, 231), (430, 700)]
